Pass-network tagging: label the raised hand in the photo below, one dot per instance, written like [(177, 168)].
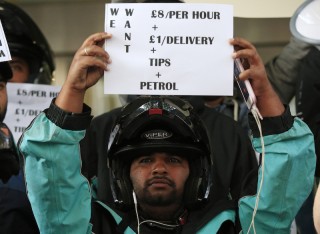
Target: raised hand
[(268, 102), (87, 67)]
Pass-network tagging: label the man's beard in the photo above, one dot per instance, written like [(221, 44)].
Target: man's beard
[(159, 199)]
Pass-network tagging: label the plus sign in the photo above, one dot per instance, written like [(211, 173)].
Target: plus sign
[(155, 28), (153, 50), (158, 75)]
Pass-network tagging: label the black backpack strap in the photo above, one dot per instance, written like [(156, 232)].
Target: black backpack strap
[(125, 222), (104, 220), (201, 217)]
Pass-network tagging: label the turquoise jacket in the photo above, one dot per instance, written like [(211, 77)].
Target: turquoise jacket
[(61, 196)]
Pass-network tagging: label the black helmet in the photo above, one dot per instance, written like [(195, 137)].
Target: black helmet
[(5, 71), (159, 124), (26, 40)]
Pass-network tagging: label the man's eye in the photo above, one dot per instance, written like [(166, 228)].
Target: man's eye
[(175, 160), (16, 68), (145, 160)]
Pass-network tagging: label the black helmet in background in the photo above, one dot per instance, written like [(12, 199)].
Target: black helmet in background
[(152, 124), (5, 71), (26, 41)]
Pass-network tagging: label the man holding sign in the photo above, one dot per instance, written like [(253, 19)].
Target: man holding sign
[(234, 157), (160, 161), (15, 213)]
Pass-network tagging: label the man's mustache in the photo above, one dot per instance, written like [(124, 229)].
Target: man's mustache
[(160, 179)]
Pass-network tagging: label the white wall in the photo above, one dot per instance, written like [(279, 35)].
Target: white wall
[(67, 23)]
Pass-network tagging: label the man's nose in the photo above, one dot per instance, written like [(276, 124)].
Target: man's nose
[(159, 167)]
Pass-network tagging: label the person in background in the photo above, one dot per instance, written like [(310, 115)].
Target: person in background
[(307, 106), (32, 58), (15, 211), (295, 72), (32, 62), (283, 69), (8, 160)]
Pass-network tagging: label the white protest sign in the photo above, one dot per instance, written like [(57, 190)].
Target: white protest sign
[(4, 49), (169, 49), (25, 102)]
